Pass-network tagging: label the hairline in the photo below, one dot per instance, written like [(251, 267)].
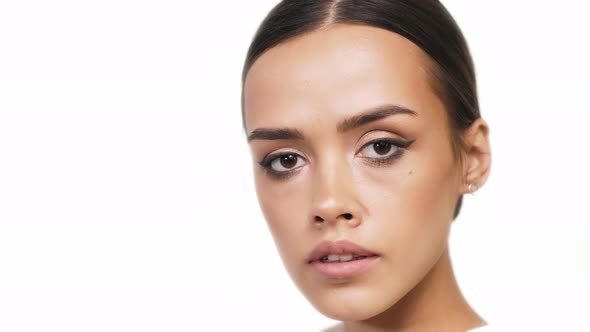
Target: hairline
[(433, 70)]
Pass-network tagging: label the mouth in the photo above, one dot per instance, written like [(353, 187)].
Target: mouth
[(341, 259), (334, 258)]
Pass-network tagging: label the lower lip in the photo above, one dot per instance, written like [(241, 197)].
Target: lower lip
[(343, 270)]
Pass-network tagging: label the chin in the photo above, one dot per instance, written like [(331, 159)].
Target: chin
[(347, 314), (347, 303)]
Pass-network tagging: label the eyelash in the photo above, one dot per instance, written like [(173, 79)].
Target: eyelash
[(267, 162), (400, 145)]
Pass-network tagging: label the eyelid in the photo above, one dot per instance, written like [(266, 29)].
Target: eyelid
[(269, 158), (402, 144), (267, 162)]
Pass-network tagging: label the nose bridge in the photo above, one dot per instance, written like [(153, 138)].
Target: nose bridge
[(334, 195)]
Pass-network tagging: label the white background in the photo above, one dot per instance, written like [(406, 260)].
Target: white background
[(126, 192)]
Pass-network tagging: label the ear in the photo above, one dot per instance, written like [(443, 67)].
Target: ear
[(477, 156)]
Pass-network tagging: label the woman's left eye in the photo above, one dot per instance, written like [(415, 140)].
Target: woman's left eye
[(382, 149)]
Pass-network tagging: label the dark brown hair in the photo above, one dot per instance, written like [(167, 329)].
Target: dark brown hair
[(426, 23)]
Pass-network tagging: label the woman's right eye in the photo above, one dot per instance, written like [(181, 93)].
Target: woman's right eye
[(282, 163)]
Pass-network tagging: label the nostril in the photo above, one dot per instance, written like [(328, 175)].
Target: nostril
[(347, 216), (318, 219)]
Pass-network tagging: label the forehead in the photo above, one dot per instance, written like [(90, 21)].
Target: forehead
[(333, 73)]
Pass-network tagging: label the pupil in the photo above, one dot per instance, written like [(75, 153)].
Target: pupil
[(288, 161), (382, 147)]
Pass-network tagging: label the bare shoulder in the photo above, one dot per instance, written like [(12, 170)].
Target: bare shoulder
[(340, 328)]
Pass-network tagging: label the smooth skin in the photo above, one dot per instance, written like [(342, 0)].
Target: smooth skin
[(335, 183)]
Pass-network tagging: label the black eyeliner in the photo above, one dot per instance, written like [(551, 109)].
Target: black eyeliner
[(268, 160), (399, 143), (402, 148)]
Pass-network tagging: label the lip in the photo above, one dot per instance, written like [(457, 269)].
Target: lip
[(341, 269)]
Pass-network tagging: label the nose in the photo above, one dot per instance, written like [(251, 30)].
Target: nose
[(335, 199)]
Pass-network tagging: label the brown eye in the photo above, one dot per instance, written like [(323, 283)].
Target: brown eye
[(286, 162), (382, 147)]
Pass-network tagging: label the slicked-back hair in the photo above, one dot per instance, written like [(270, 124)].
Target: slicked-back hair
[(426, 23)]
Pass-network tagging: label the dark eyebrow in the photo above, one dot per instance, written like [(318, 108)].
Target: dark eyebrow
[(373, 114), (274, 134)]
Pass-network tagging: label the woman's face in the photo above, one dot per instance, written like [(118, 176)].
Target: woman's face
[(355, 145)]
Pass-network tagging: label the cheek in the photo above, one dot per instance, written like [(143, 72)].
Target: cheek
[(283, 204), (411, 212), (407, 211), (414, 194)]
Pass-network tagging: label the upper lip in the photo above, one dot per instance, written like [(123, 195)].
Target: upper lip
[(326, 248)]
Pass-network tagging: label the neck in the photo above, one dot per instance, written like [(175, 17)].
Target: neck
[(435, 304)]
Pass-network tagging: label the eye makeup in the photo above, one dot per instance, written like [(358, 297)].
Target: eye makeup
[(399, 146), (269, 160)]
